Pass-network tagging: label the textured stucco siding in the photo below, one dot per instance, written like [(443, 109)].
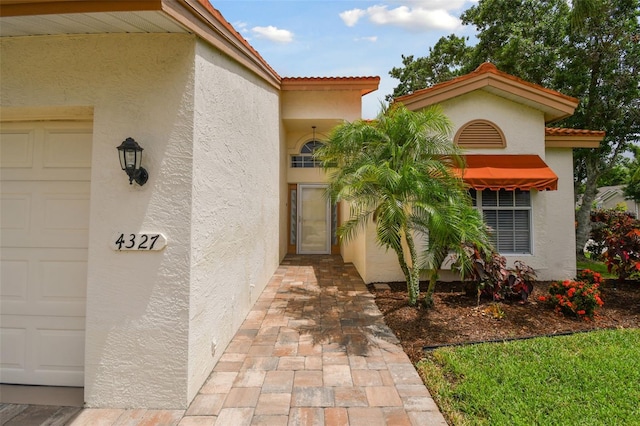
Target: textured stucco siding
[(236, 203), (558, 247), (523, 127), (140, 85), (318, 104)]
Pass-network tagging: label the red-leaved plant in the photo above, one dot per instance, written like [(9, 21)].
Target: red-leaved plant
[(616, 239), (492, 277)]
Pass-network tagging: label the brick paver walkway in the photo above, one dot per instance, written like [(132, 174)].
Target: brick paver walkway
[(314, 350)]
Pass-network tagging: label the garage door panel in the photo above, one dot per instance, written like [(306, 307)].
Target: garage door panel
[(46, 151), (44, 211), (63, 281), (45, 214), (14, 211), (52, 282), (13, 348), (14, 278), (47, 351), (16, 148), (62, 142)]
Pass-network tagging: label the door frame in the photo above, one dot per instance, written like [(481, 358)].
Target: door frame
[(327, 226), (293, 216)]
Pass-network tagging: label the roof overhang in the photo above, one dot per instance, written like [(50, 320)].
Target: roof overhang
[(50, 17), (572, 138), (509, 172), (487, 77), (364, 85)]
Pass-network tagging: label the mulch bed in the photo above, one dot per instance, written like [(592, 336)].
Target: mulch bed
[(457, 318)]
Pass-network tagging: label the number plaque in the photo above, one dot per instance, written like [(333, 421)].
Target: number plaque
[(138, 242)]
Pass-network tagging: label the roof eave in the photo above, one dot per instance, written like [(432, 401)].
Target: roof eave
[(57, 7), (365, 85), (555, 105), (197, 16), (572, 141)]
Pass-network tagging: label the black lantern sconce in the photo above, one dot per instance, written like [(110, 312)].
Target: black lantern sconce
[(130, 154)]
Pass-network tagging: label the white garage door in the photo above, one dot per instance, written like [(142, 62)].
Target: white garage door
[(44, 213)]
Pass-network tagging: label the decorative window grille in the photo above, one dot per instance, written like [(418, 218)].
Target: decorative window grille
[(480, 134)]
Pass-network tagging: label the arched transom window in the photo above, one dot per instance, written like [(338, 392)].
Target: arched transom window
[(305, 158)]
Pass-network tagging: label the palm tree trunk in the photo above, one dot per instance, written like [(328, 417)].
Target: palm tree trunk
[(413, 282), (433, 278), (405, 268)]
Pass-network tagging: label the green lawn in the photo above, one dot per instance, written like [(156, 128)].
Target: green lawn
[(595, 266), (584, 379)]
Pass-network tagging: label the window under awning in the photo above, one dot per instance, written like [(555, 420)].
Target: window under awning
[(510, 172)]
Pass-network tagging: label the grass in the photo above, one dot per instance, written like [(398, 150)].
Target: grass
[(595, 266), (584, 379)]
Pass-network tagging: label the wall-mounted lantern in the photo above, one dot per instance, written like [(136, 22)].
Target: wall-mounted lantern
[(130, 159)]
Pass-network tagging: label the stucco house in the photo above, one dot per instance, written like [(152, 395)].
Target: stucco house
[(610, 197), (520, 170), (133, 291), (143, 328)]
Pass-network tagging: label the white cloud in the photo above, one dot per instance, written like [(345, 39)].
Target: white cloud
[(414, 19), (351, 17), (273, 33), (422, 15), (371, 39)]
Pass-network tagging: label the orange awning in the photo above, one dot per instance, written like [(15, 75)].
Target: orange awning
[(509, 172)]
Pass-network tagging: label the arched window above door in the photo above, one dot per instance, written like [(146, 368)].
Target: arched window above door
[(305, 158)]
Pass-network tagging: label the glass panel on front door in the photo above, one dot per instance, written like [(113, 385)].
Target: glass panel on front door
[(314, 229)]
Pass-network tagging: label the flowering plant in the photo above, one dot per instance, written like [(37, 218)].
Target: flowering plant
[(576, 298), (591, 277)]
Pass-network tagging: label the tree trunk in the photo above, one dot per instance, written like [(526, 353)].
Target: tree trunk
[(413, 272), (583, 215), (433, 278)]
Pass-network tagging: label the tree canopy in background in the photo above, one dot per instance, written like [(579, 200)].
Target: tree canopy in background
[(589, 50)]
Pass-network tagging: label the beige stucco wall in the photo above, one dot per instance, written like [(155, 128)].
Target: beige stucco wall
[(152, 317), (557, 244), (236, 203), (523, 126), (321, 104)]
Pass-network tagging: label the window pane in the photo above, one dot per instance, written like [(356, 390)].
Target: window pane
[(505, 231), (522, 231), (505, 198), (334, 225), (489, 198), (523, 198), (293, 232), (491, 219)]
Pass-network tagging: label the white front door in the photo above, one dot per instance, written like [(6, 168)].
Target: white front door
[(45, 171), (314, 220)]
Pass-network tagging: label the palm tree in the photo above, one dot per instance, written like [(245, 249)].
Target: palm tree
[(398, 171), (455, 232)]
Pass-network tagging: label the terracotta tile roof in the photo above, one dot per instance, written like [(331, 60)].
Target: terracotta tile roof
[(485, 68), (561, 131), (218, 16)]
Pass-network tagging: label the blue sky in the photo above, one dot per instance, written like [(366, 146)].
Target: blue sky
[(319, 38)]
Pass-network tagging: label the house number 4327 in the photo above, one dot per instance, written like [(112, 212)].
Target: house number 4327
[(138, 242)]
